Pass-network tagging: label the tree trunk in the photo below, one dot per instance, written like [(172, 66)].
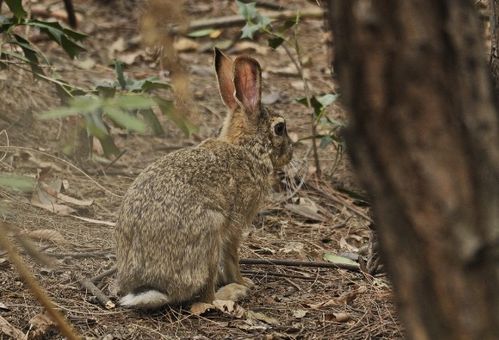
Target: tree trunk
[(424, 139)]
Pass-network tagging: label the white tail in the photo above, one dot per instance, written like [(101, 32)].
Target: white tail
[(147, 300)]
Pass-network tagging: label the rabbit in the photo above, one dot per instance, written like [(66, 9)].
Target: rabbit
[(180, 223)]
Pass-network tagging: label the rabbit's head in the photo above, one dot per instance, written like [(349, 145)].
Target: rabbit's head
[(239, 82)]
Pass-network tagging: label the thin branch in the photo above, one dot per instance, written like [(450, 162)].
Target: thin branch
[(237, 20), (299, 263), (101, 297)]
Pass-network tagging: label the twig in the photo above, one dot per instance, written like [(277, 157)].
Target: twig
[(299, 263), (104, 274), (101, 297), (80, 255), (33, 285), (343, 203), (291, 276), (265, 4), (236, 20), (114, 160), (297, 62)]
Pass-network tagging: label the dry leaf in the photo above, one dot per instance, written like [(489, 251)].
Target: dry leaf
[(118, 46), (271, 98), (249, 47), (250, 315), (229, 307), (342, 317), (41, 324), (306, 208), (9, 330), (85, 64), (59, 209), (47, 235), (200, 308), (4, 307), (185, 45), (299, 313), (74, 201), (331, 302)]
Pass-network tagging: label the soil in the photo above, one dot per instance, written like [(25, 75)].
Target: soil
[(305, 218)]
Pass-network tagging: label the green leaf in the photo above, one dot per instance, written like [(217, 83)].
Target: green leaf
[(86, 104), (63, 36), (30, 54), (133, 102), (154, 84), (201, 33), (262, 20), (16, 6), (97, 128), (247, 10), (124, 119), (118, 67), (61, 112), (153, 122), (325, 141), (168, 109), (330, 257), (327, 99), (275, 42), (21, 183), (249, 30)]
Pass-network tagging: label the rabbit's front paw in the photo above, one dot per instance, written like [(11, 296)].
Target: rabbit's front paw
[(232, 291), (248, 283)]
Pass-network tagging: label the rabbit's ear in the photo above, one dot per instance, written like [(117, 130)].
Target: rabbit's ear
[(247, 82), (223, 67)]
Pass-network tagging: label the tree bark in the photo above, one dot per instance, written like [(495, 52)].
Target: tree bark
[(424, 139)]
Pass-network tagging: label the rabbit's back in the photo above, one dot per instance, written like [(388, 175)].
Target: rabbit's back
[(173, 213)]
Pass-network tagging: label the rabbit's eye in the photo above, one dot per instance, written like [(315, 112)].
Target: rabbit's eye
[(280, 128)]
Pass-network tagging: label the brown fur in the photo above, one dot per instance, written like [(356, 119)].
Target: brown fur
[(180, 223)]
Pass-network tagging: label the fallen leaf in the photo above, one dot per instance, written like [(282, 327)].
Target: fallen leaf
[(330, 257), (331, 302), (41, 324), (298, 85), (185, 45), (85, 64), (118, 46), (293, 247), (229, 307), (289, 70), (58, 209), (262, 317), (306, 208), (4, 307), (342, 317), (47, 235), (299, 313), (200, 308), (9, 330), (130, 58), (74, 201), (249, 47)]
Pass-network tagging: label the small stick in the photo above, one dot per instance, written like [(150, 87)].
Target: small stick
[(104, 274), (103, 299), (254, 272), (80, 255), (236, 20), (299, 263)]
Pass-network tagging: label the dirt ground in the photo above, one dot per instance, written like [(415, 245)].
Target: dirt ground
[(320, 217)]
